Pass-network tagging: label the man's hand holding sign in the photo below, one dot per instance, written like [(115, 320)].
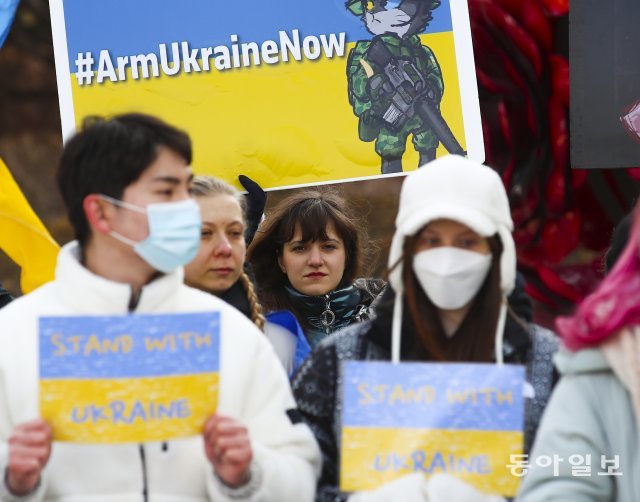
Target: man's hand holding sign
[(228, 448), (29, 451)]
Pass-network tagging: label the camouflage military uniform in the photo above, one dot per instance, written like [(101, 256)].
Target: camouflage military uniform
[(392, 144)]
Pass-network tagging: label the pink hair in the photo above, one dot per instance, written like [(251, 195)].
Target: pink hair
[(614, 305)]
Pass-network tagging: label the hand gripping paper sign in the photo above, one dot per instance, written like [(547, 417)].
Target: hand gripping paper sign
[(461, 419), (287, 93), (130, 378)]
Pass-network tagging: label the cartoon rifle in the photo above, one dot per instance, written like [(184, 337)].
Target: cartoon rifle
[(407, 93)]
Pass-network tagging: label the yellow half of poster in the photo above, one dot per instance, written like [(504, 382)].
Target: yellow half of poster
[(282, 125), (128, 409), (372, 456)]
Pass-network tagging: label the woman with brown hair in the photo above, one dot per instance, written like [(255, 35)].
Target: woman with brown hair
[(306, 257), (452, 264)]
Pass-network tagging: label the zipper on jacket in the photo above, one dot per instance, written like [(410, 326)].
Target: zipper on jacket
[(133, 303), (134, 299), (143, 459), (327, 318)]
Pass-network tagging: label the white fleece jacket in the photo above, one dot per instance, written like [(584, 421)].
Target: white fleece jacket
[(254, 389)]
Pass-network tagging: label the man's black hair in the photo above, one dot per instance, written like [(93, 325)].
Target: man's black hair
[(108, 155)]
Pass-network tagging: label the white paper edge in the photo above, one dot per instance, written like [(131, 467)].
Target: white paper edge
[(63, 73), (467, 78)]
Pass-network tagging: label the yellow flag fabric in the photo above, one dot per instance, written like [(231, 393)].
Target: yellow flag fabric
[(23, 237)]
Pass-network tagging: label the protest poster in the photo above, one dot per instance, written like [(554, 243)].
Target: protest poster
[(111, 379), (460, 419), (280, 91)]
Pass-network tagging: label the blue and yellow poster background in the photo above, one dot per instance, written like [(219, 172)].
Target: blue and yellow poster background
[(283, 124), (110, 379), (460, 419)]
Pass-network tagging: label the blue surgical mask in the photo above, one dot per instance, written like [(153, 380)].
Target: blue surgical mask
[(174, 233)]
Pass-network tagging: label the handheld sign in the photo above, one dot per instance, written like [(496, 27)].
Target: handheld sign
[(460, 419), (110, 379)]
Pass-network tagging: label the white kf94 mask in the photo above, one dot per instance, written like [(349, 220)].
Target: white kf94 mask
[(450, 276)]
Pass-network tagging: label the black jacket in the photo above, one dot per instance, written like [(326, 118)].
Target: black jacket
[(315, 385), (5, 297)]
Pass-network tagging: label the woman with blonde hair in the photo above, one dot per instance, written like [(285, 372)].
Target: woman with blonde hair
[(219, 267)]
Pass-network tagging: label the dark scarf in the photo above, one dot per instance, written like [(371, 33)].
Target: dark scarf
[(236, 296), (322, 315)]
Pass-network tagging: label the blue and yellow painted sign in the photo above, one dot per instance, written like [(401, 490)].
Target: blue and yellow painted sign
[(128, 378), (460, 419), (273, 90)]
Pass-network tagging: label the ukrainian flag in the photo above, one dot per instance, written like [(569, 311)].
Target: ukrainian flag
[(24, 238), (7, 12)]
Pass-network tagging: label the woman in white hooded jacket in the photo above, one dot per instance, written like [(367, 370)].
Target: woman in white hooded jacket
[(452, 264)]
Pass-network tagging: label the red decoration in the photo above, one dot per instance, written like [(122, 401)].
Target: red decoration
[(523, 83)]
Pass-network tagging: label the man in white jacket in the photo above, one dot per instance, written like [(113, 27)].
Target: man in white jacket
[(125, 184)]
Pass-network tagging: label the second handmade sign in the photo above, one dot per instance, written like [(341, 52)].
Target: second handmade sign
[(461, 419)]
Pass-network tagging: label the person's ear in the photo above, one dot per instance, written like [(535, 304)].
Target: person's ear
[(97, 211), (284, 270)]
